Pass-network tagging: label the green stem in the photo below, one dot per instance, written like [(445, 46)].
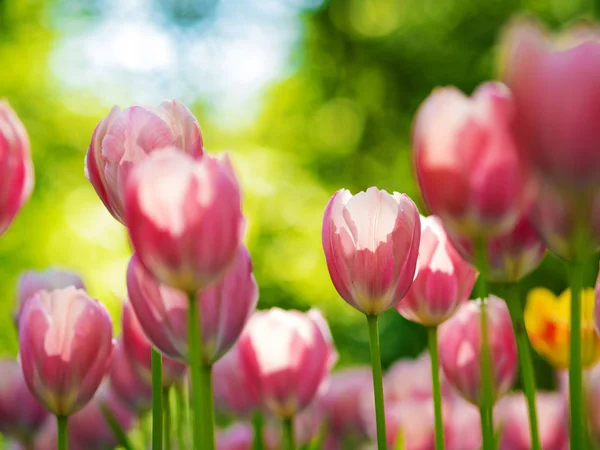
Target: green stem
[(182, 419), (288, 434), (195, 370), (116, 428), (208, 408), (167, 417), (437, 392), (157, 407), (62, 434), (377, 382), (575, 370), (257, 425), (527, 372)]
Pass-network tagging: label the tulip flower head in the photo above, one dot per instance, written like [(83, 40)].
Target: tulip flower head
[(547, 319), (443, 282), (371, 244), (65, 341), (129, 388), (126, 137)]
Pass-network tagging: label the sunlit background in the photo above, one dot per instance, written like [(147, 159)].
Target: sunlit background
[(308, 96)]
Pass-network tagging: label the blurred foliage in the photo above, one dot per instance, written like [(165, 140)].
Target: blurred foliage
[(341, 119)]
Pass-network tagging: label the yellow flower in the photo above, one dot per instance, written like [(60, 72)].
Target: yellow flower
[(547, 319)]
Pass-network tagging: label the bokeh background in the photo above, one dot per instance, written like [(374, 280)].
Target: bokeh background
[(308, 96)]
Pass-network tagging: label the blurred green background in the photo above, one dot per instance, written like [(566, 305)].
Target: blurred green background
[(308, 96)]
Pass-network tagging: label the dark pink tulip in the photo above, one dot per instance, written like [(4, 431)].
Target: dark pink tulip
[(125, 138), (21, 416), (185, 218), (285, 357), (444, 280), (460, 349), (466, 160), (65, 340), (224, 309), (139, 351), (32, 281), (557, 101), (371, 244), (16, 167), (128, 386), (510, 256)]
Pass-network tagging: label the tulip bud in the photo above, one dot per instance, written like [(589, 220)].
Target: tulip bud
[(371, 244), (125, 138), (21, 416), (224, 309), (16, 167), (139, 351), (285, 357), (185, 218), (31, 281), (65, 340), (444, 280), (459, 340), (128, 386), (466, 161)]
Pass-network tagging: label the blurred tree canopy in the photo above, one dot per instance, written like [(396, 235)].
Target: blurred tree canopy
[(341, 118)]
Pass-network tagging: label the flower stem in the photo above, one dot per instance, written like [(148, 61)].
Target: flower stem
[(575, 371), (167, 417), (195, 371), (182, 418), (377, 382), (208, 409), (527, 372), (288, 434), (257, 425), (437, 392), (157, 407), (62, 434)]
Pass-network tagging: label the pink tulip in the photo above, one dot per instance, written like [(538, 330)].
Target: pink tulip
[(285, 358), (125, 138), (128, 386), (444, 280), (185, 218), (21, 416), (557, 101), (466, 160), (16, 167), (462, 425), (224, 309), (460, 349), (31, 281), (371, 244), (592, 393), (229, 388), (139, 351), (238, 436), (511, 256), (65, 340)]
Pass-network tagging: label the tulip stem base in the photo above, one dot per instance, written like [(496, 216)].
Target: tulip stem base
[(157, 400), (288, 434), (167, 417), (62, 433), (577, 421), (524, 349), (437, 392), (257, 426), (377, 382)]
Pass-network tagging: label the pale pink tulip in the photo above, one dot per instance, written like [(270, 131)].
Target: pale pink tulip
[(21, 416), (185, 218), (65, 341), (460, 349), (444, 280), (139, 351), (16, 167), (466, 160), (128, 386), (238, 436), (224, 309), (371, 244), (285, 358), (125, 138)]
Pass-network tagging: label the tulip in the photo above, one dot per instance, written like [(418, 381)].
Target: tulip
[(31, 281), (443, 282), (547, 322), (125, 138), (592, 392), (238, 436), (16, 167), (467, 163), (21, 416), (138, 349), (460, 349), (128, 386), (185, 218)]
